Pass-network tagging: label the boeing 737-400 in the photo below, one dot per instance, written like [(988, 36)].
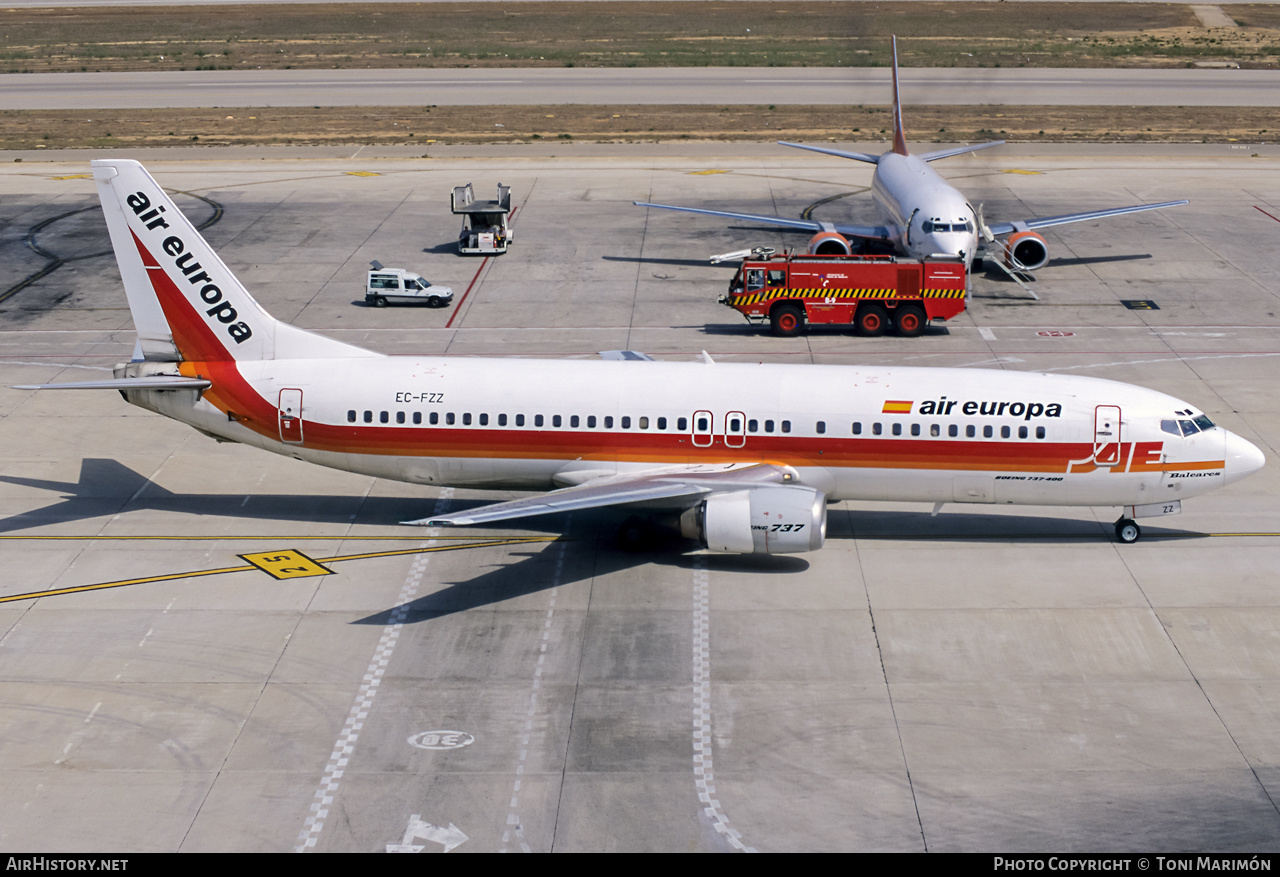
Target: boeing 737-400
[(745, 457), (922, 215)]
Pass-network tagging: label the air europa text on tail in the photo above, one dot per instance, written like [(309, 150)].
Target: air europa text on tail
[(173, 246)]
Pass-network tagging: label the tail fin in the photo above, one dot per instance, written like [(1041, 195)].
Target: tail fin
[(186, 304), (899, 138)]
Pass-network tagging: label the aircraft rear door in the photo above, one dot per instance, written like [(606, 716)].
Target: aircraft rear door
[(1106, 435), (289, 414), (703, 429)]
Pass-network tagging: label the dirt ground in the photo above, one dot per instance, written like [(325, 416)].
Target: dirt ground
[(746, 33), (440, 125)]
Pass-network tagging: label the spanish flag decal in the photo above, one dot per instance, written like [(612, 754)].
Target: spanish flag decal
[(896, 407)]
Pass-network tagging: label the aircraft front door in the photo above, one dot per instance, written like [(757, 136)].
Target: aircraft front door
[(1106, 435), (289, 414)]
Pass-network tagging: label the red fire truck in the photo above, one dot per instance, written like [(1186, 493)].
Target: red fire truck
[(871, 293)]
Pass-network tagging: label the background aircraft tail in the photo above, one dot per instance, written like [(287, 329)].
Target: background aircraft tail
[(899, 138), (186, 304)]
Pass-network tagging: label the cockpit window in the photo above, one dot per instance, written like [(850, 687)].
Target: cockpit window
[(1186, 427)]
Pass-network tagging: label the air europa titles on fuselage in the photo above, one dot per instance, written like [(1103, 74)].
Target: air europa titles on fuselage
[(185, 262), (970, 408)]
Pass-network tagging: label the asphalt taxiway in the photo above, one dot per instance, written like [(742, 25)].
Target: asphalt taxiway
[(986, 679)]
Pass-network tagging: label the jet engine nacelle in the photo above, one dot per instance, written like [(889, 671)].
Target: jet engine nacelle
[(771, 519), (830, 243), (1029, 249)]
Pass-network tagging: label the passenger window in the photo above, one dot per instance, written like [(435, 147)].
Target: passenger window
[(555, 420), (383, 417), (573, 421), (484, 419), (1022, 432), (953, 430), (897, 429), (753, 426), (519, 420), (448, 419), (662, 423), (735, 425), (643, 423), (971, 430), (608, 422), (626, 423), (1039, 432), (821, 427), (768, 426), (786, 426), (935, 430), (399, 417), (591, 421), (702, 424), (857, 429), (915, 429), (417, 417), (537, 420), (435, 417), (466, 419), (682, 424), (502, 420), (987, 432), (351, 416), (368, 417), (1004, 432), (876, 429)]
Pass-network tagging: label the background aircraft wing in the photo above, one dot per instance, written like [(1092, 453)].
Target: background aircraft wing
[(957, 150), (678, 487), (878, 232), (998, 228)]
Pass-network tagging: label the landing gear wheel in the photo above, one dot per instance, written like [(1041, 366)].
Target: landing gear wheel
[(1127, 531), (871, 320), (379, 302), (787, 320), (909, 320)]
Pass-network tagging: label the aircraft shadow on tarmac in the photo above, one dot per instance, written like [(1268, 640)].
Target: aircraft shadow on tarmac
[(108, 487)]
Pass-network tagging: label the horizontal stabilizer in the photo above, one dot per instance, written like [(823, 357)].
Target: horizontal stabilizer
[(957, 150), (155, 382), (838, 153)]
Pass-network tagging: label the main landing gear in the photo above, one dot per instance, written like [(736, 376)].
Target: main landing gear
[(1128, 531)]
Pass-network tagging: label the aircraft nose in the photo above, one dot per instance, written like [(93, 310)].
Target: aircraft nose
[(1242, 456)]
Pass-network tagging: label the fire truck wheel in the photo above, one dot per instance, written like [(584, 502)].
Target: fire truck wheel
[(872, 320), (786, 320), (909, 320)]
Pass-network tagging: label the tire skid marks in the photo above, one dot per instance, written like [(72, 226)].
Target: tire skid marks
[(703, 774), (345, 745)]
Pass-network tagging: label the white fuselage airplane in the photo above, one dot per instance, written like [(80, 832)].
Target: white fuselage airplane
[(922, 214), (748, 456)]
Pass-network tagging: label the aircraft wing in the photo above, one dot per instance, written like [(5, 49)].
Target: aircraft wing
[(877, 232), (999, 228), (678, 487), (155, 382)]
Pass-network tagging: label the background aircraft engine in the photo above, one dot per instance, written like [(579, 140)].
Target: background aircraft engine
[(1029, 248), (829, 243), (774, 519)]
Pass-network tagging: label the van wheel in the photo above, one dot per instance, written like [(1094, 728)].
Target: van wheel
[(909, 320), (786, 320), (872, 320), (379, 301)]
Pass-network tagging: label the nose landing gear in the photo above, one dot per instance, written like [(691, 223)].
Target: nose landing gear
[(1128, 531)]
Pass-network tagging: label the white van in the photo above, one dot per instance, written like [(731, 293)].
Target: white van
[(397, 285)]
